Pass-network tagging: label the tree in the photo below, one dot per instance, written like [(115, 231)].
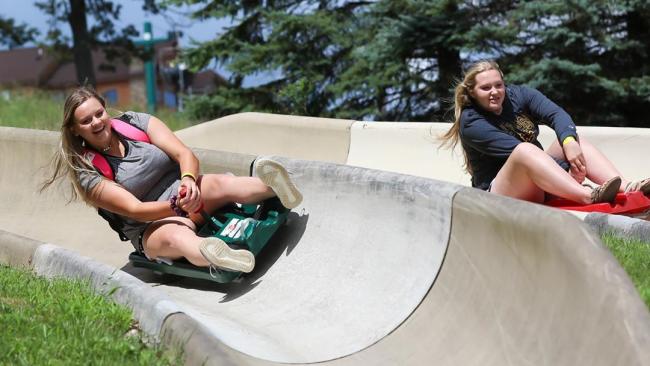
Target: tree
[(305, 44), (406, 65), (85, 38), (13, 35), (591, 57), (346, 59), (398, 59)]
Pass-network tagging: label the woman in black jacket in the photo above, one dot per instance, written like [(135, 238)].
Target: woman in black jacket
[(498, 125)]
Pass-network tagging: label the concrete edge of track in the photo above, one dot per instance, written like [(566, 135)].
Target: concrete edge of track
[(160, 318), (355, 143), (621, 226), (300, 137), (548, 270)]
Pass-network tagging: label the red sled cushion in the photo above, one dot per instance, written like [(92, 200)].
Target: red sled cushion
[(625, 203)]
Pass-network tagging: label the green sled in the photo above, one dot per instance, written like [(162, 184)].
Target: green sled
[(260, 223)]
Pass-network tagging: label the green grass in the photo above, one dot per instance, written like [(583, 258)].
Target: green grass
[(36, 110), (61, 322), (634, 256), (44, 111)]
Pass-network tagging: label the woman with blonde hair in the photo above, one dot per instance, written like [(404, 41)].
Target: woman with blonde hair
[(497, 126), (153, 188)]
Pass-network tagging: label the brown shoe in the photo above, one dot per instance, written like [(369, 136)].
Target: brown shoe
[(639, 185), (607, 191)]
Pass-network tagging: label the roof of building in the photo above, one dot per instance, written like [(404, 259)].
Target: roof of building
[(22, 66), (38, 67), (206, 81)]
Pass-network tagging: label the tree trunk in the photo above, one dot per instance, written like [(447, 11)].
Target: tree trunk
[(449, 70), (83, 58)]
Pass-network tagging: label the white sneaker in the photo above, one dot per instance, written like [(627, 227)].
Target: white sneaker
[(221, 255), (274, 175), (639, 185)]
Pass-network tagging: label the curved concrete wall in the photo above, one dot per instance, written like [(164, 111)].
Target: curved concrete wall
[(512, 290), (409, 148), (358, 275), (358, 256), (274, 134), (25, 158), (543, 289)]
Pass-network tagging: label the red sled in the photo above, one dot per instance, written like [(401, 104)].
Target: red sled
[(625, 204)]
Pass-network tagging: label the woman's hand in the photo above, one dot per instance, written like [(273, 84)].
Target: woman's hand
[(162, 137), (573, 154), (189, 195), (579, 177)]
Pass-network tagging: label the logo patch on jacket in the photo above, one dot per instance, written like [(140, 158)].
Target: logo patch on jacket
[(522, 128)]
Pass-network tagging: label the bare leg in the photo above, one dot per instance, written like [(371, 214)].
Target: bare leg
[(220, 189), (599, 168), (174, 238), (530, 171)]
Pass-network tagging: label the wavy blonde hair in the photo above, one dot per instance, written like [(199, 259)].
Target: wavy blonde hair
[(463, 99), (68, 159)]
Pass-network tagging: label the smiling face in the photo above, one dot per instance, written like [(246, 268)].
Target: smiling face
[(489, 91), (92, 123)]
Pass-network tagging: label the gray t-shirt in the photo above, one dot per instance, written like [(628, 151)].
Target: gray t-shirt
[(145, 171)]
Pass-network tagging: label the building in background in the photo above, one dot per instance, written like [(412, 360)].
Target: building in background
[(122, 85)]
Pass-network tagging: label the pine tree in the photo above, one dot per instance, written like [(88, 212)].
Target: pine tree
[(398, 59), (305, 44), (590, 57), (389, 60)]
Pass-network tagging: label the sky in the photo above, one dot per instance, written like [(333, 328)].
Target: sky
[(131, 13), (24, 11)]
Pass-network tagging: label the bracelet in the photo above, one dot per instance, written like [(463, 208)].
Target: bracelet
[(177, 210), (567, 140), (188, 174)]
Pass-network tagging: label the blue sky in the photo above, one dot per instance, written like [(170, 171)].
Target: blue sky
[(131, 13)]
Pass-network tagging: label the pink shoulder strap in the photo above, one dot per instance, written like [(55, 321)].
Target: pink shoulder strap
[(100, 162), (126, 130), (129, 131)]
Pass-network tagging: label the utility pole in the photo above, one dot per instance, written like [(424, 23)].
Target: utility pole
[(181, 81), (149, 68)]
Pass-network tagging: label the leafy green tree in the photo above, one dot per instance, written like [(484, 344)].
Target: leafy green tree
[(85, 38), (13, 35)]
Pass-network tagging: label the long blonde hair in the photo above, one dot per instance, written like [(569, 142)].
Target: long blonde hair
[(68, 159), (462, 99)]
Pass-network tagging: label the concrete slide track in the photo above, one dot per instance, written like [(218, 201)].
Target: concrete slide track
[(373, 268)]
